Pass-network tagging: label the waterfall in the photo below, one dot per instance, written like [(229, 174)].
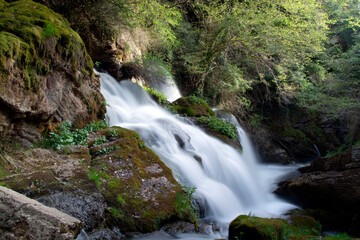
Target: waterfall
[(230, 183)]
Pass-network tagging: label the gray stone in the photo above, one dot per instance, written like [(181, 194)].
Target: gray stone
[(22, 217)]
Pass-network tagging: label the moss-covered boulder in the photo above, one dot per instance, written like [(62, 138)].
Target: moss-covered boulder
[(192, 107), (141, 191), (45, 71), (249, 227)]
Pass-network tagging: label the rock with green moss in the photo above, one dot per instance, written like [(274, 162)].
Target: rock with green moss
[(140, 189), (192, 107), (249, 227), (45, 71)]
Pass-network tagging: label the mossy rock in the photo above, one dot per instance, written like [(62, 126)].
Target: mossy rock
[(31, 37), (249, 227), (140, 190), (192, 107), (46, 75)]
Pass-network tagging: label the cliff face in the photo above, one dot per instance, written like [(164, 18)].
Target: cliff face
[(46, 74)]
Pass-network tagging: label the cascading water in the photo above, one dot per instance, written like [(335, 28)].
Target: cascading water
[(227, 181)]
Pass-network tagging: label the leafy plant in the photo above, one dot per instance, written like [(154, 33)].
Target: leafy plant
[(112, 133), (100, 140), (220, 126), (106, 150), (63, 135), (183, 203)]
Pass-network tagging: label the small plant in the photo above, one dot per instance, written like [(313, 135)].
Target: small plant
[(97, 64), (112, 133), (96, 176), (116, 213), (106, 150), (220, 126), (100, 140), (120, 199), (160, 97), (141, 145), (183, 204), (63, 135)]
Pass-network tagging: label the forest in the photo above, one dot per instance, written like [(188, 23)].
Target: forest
[(288, 71)]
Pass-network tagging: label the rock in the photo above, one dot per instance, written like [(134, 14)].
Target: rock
[(192, 107), (46, 73), (249, 228), (139, 188), (22, 217), (331, 184)]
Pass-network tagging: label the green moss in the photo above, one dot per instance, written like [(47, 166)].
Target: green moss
[(31, 35), (220, 126)]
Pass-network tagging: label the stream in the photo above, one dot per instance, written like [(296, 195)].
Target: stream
[(228, 182)]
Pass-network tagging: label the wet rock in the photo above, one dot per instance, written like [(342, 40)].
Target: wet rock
[(331, 184), (22, 217)]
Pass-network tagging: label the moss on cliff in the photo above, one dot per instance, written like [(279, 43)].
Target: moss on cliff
[(32, 38)]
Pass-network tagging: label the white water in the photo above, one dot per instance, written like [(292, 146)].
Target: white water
[(229, 182)]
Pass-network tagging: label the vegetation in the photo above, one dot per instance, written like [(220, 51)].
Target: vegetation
[(158, 96), (63, 135), (220, 125)]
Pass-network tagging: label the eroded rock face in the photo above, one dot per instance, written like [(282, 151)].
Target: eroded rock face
[(331, 184), (25, 218), (46, 73)]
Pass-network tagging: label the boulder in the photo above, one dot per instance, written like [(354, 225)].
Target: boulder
[(140, 189), (331, 184), (46, 73), (249, 227), (25, 218)]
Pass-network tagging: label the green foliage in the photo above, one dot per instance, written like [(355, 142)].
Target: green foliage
[(220, 126), (116, 213), (96, 176), (100, 140), (63, 135), (141, 145), (183, 204), (106, 150), (120, 199), (159, 97), (112, 133), (341, 236)]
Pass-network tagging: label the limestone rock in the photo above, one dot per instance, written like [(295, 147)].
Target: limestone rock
[(22, 217)]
